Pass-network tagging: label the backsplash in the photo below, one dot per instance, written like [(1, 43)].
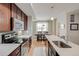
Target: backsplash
[(23, 32), (19, 32)]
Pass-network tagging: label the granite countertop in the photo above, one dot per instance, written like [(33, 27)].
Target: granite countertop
[(25, 36), (73, 51), (6, 49)]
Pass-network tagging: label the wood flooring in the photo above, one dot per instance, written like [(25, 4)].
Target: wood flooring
[(37, 44)]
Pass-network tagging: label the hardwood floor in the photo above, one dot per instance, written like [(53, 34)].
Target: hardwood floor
[(37, 44)]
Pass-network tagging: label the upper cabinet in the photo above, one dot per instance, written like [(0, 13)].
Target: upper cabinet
[(8, 10), (25, 22), (23, 16), (14, 10), (4, 17), (19, 14)]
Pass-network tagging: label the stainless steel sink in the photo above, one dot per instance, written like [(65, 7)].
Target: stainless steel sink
[(61, 44)]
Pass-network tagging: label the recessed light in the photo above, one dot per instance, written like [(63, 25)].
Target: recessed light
[(52, 7)]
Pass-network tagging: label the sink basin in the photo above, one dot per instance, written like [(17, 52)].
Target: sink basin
[(61, 44)]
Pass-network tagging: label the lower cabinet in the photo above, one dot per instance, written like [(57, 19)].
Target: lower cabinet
[(51, 50), (25, 46), (24, 50), (46, 45), (30, 42), (16, 52)]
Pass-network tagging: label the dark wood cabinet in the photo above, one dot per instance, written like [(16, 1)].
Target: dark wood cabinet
[(23, 16), (25, 46), (19, 14), (4, 17), (30, 42), (25, 22), (7, 11), (14, 10), (27, 41), (16, 52), (51, 50)]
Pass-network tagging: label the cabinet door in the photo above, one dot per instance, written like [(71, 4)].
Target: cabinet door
[(25, 22), (23, 16), (4, 17), (46, 44), (14, 9), (16, 52), (25, 47), (18, 14)]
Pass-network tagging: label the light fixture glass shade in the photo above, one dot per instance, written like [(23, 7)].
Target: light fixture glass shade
[(52, 18)]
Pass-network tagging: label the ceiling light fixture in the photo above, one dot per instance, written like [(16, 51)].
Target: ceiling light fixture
[(52, 7), (52, 18)]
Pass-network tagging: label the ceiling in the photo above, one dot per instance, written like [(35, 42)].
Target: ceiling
[(26, 8), (43, 11)]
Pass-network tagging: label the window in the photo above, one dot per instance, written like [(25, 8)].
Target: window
[(42, 26)]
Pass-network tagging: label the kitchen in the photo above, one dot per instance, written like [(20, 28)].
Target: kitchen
[(13, 22), (21, 34)]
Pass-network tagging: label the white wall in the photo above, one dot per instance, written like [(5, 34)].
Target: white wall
[(73, 35), (34, 27), (51, 26), (61, 19), (54, 26)]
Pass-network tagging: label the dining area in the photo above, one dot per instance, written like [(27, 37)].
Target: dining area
[(41, 35)]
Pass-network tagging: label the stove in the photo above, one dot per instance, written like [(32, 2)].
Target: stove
[(9, 37)]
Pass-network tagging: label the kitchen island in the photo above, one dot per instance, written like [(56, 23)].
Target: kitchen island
[(73, 51)]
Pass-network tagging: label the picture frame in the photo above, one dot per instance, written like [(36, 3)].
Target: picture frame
[(74, 26), (72, 17)]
